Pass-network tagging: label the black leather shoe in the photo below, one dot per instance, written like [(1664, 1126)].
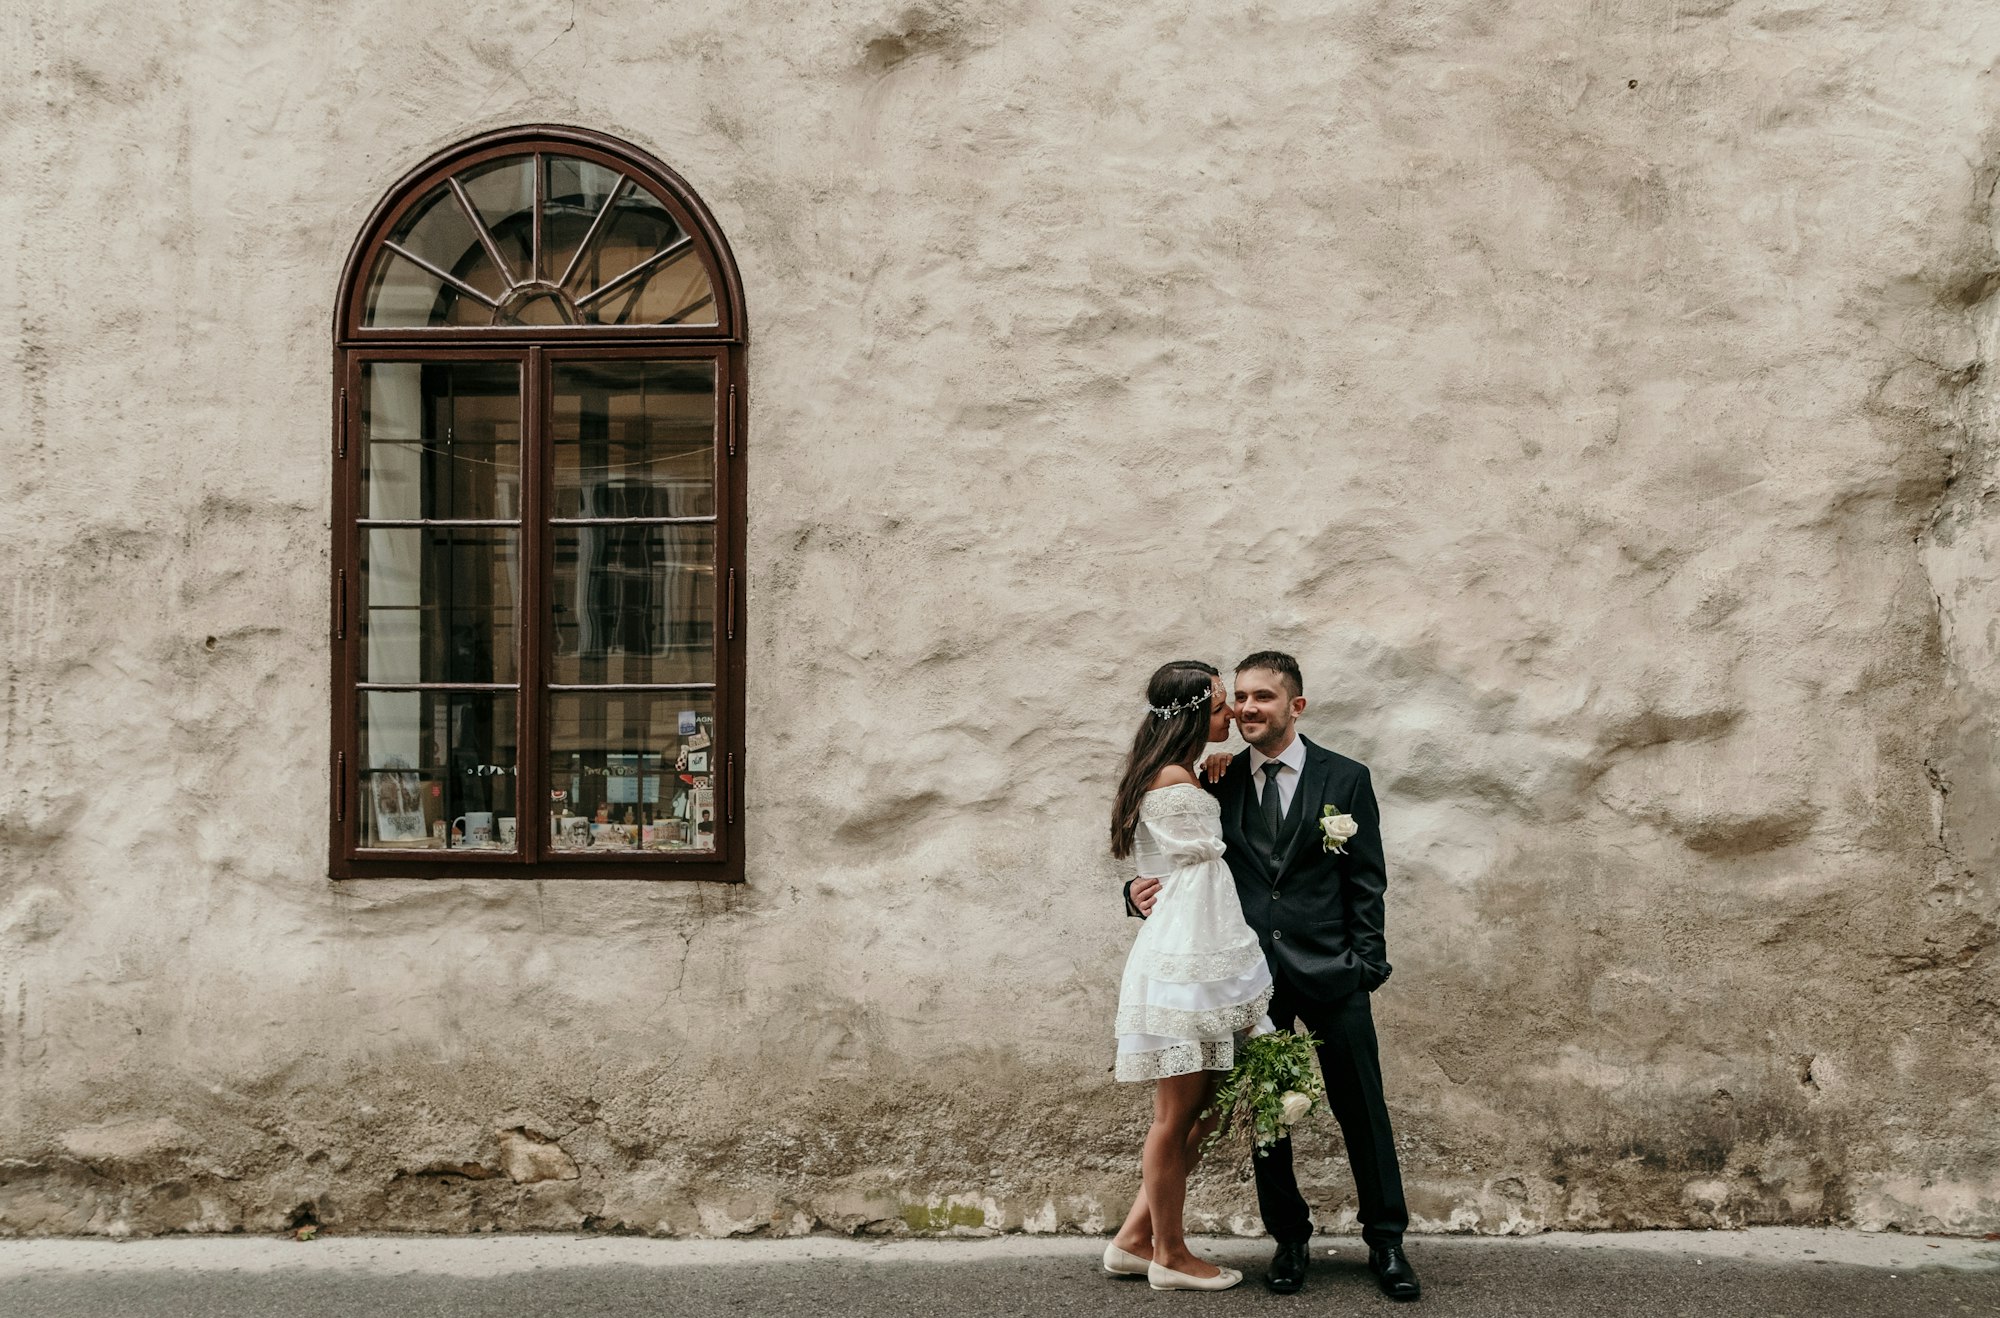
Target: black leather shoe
[(1288, 1266), (1393, 1272)]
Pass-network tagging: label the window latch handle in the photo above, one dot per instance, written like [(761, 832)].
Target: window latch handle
[(340, 617), (340, 792), (730, 421), (730, 612), (729, 805)]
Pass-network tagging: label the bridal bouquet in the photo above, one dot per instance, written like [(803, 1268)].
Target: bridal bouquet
[(1271, 1086)]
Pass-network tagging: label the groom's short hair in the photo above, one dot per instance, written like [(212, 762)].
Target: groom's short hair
[(1280, 663)]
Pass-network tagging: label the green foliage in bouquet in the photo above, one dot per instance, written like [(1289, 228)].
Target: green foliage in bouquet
[(1272, 1085)]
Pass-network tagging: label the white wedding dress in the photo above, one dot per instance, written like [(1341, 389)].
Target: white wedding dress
[(1196, 977)]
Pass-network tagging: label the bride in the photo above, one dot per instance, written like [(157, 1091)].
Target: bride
[(1196, 977)]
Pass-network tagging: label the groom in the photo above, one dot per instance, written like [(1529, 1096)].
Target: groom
[(1319, 916)]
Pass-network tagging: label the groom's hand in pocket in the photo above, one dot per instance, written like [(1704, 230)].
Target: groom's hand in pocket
[(1140, 894)]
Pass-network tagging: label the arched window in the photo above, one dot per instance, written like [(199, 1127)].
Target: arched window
[(538, 523)]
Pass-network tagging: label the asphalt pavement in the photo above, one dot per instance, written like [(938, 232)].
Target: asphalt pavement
[(1769, 1273)]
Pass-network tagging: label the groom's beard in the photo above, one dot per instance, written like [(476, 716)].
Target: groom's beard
[(1269, 734)]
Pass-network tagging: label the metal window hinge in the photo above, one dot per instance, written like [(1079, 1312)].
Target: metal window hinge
[(340, 789), (340, 616), (340, 431), (730, 421), (729, 805), (730, 609)]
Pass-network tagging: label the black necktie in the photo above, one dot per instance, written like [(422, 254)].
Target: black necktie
[(1269, 804)]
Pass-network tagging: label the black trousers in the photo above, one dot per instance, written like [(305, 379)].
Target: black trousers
[(1347, 1058)]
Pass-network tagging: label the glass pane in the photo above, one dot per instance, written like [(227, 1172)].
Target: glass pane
[(437, 604), (503, 192), (574, 192), (677, 292), (633, 771), (633, 604), (402, 294), (440, 440), (634, 439), (437, 771), (438, 231), (638, 227), (535, 307)]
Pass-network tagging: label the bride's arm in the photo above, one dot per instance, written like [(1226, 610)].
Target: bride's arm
[(1141, 892)]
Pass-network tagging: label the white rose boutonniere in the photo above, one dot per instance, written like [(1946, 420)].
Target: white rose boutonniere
[(1296, 1105), (1337, 828)]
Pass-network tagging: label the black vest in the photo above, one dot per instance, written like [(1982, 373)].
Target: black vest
[(1270, 846)]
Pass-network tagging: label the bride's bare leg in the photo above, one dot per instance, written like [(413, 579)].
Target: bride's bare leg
[(1202, 1126), (1177, 1104), (1136, 1235)]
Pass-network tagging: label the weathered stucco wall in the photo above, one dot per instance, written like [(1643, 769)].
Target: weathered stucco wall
[(1594, 396)]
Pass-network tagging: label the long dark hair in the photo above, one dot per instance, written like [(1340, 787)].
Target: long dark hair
[(1175, 739)]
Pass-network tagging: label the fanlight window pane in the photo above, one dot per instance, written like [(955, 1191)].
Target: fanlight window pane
[(574, 193), (606, 251), (402, 294), (503, 193), (634, 439), (437, 771), (439, 232), (633, 604), (643, 269), (675, 293), (633, 771)]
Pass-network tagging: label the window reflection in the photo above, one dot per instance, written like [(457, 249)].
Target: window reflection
[(634, 439), (437, 604), (440, 440), (634, 604)]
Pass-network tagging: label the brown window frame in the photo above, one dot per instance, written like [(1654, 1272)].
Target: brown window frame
[(535, 348)]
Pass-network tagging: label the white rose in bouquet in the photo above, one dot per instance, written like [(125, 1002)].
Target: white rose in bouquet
[(1337, 829), (1296, 1106)]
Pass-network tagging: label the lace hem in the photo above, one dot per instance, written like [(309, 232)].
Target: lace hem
[(1181, 1059), (1201, 967), (1173, 1023)]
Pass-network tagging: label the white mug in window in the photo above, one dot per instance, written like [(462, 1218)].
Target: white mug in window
[(475, 827), (506, 823)]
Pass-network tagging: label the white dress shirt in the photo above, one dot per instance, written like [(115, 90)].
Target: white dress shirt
[(1293, 758)]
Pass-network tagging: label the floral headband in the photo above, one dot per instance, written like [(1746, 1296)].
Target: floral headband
[(1168, 711)]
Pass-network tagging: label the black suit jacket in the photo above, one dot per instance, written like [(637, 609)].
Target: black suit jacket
[(1320, 915)]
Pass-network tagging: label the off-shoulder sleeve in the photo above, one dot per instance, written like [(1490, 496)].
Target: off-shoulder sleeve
[(1179, 831)]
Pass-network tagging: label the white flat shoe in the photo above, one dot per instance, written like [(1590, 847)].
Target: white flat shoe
[(1166, 1279), (1121, 1263)]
